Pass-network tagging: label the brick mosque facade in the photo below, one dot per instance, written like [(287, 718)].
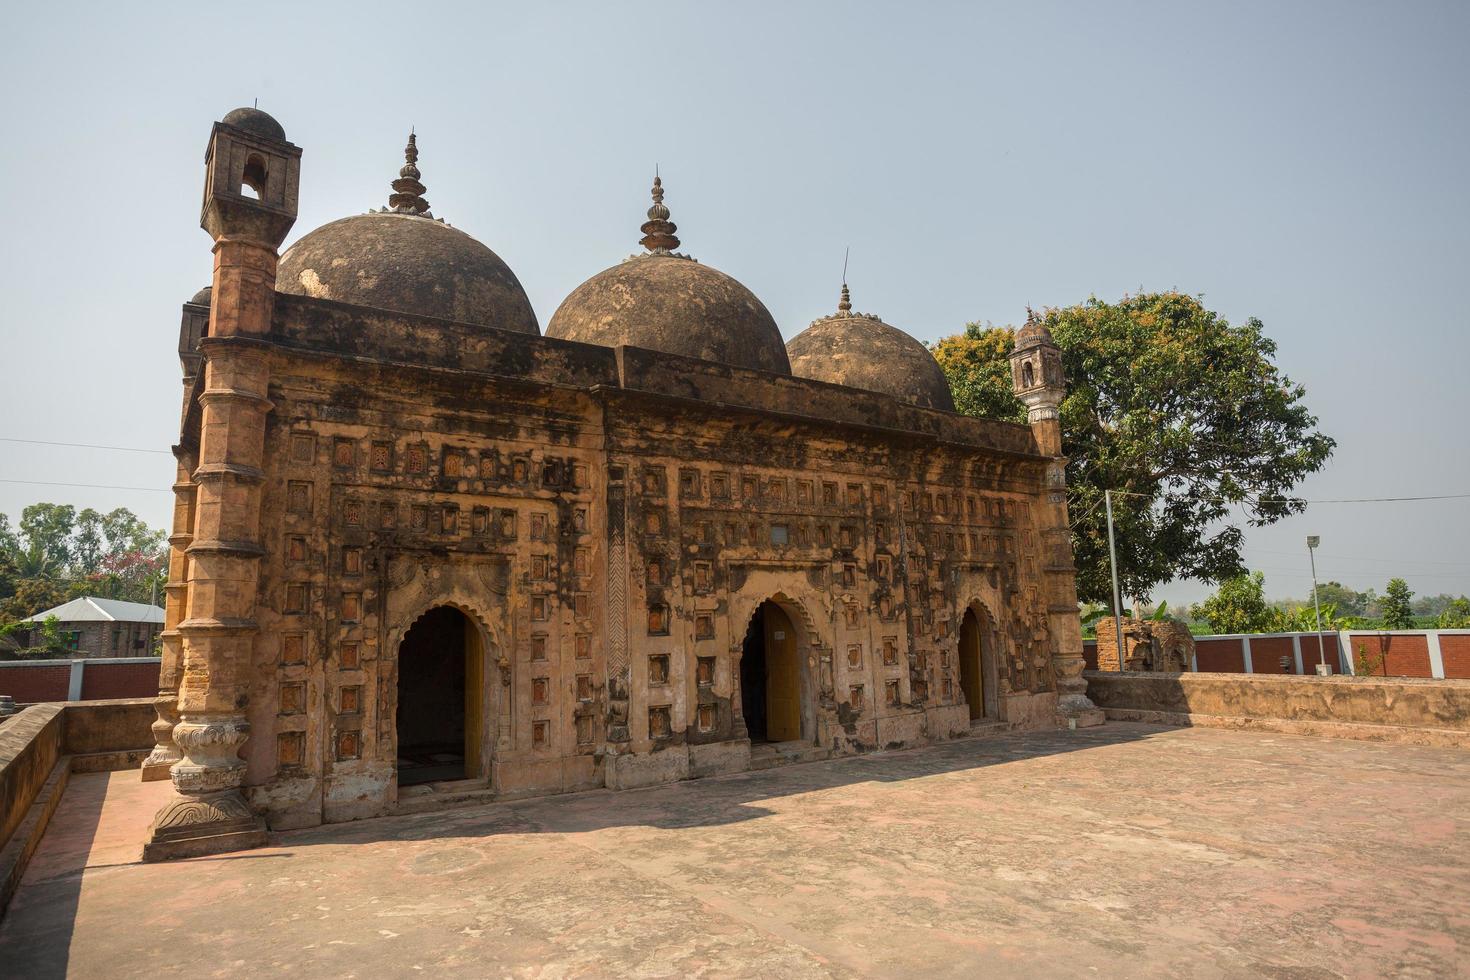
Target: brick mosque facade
[(422, 549)]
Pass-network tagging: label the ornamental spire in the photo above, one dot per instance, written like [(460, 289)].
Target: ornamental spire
[(658, 230), (407, 196), (844, 305)]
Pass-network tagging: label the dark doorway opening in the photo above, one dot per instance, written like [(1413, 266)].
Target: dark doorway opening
[(431, 698), (972, 665), (770, 677)]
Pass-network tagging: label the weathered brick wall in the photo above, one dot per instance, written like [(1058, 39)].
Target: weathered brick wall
[(103, 680), (29, 683)]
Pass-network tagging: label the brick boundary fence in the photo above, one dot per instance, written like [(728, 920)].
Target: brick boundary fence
[(1437, 654), (90, 679)]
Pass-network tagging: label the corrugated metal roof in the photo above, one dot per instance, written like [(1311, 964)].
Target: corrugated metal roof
[(92, 609)]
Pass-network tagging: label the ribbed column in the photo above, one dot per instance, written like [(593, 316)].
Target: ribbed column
[(176, 609), (222, 561), (1060, 576)]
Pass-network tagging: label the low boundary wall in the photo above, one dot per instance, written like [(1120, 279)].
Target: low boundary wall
[(89, 679), (1421, 712), (1435, 654), (39, 749)]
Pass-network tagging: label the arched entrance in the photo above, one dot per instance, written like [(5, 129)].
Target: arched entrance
[(770, 677), (439, 720), (976, 672)]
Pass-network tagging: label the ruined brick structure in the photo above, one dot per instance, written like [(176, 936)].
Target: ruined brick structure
[(421, 549), (1158, 645)]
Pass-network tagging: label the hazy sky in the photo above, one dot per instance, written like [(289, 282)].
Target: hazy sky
[(1307, 164)]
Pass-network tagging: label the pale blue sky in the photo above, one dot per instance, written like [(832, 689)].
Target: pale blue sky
[(1302, 163)]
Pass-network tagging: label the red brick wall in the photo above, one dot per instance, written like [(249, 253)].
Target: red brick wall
[(1266, 654), (1454, 649), (1218, 656), (1407, 656), (38, 682), (114, 680)]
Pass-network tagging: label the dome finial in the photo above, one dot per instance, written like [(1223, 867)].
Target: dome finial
[(844, 305), (407, 196), (658, 230)]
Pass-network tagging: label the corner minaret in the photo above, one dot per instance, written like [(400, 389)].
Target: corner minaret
[(1040, 383), (251, 175)]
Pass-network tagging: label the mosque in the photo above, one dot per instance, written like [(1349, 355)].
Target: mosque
[(424, 552)]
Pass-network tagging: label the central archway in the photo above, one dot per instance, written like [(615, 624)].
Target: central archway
[(437, 721), (770, 677), (977, 679)]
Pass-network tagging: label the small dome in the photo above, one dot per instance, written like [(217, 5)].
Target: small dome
[(201, 298), (861, 351), (1033, 333), (255, 121), (404, 260), (664, 301)]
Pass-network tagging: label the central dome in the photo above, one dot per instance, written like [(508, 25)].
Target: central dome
[(668, 302), (861, 351), (404, 260)]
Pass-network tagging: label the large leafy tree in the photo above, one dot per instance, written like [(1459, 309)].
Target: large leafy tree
[(1397, 606), (1185, 416)]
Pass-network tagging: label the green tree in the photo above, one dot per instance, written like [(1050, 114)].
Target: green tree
[(1240, 606), (48, 528), (1349, 602), (1455, 615), (1184, 415), (1397, 606)]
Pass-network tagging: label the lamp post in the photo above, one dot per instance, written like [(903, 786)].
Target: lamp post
[(1117, 594), (1312, 541)]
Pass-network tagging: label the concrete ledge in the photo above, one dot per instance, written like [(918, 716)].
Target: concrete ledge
[(26, 837), (1434, 737), (1411, 711)]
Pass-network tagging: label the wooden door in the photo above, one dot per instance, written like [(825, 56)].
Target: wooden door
[(972, 680), (783, 678), (474, 700)]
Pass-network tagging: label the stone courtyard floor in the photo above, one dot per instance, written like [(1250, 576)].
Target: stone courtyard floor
[(1130, 850)]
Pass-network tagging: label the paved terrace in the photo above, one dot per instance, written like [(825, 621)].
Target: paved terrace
[(1126, 851)]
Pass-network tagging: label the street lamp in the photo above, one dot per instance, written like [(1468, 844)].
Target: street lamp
[(1312, 541)]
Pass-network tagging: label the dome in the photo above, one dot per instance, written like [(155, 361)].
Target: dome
[(404, 260), (201, 298), (861, 351), (1033, 333), (255, 121), (664, 301)]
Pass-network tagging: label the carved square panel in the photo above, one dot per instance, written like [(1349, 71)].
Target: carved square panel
[(890, 693), (658, 669), (583, 642), (381, 459), (298, 497), (295, 548), (344, 453), (705, 671), (303, 447), (855, 696), (540, 690), (348, 657), (351, 561), (538, 646), (349, 700), (584, 687), (855, 656), (660, 721), (295, 599), (349, 745), (292, 698), (705, 717), (540, 734), (352, 512), (704, 626), (291, 750), (351, 607)]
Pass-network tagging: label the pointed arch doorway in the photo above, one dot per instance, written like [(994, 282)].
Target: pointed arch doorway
[(977, 673), (440, 721), (770, 677)]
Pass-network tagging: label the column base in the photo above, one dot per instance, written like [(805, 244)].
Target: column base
[(158, 764), (191, 826), (1078, 711)]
